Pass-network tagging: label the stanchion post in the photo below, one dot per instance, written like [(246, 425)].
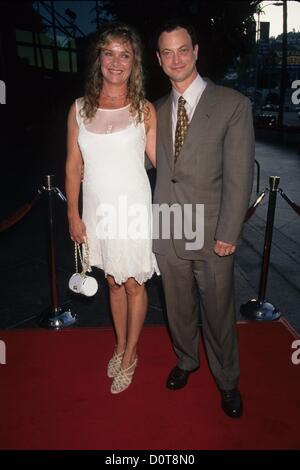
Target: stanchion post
[(54, 295), (274, 183), (56, 316), (260, 309)]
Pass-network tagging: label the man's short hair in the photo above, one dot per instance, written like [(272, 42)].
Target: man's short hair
[(175, 23)]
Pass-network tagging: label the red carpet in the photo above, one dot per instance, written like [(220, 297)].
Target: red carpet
[(54, 394)]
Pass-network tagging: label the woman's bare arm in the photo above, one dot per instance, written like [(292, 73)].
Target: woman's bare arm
[(150, 124), (74, 165)]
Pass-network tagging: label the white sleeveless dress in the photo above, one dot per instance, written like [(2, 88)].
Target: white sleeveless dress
[(116, 194)]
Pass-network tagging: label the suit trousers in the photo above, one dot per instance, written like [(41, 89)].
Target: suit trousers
[(207, 282)]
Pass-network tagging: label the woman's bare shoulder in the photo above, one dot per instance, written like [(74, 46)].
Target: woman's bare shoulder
[(149, 111)]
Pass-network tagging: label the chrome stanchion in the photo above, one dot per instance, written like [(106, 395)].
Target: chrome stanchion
[(56, 316), (260, 309)]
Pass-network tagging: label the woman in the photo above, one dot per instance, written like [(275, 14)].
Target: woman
[(110, 129)]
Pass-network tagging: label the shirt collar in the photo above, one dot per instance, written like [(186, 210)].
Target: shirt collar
[(192, 93)]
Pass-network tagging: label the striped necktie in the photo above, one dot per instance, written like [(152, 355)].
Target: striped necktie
[(181, 126)]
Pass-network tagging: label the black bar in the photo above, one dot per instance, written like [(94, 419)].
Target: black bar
[(284, 72)]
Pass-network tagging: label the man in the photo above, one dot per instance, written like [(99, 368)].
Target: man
[(205, 155)]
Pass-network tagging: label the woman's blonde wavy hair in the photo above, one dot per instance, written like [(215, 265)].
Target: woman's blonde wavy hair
[(94, 81)]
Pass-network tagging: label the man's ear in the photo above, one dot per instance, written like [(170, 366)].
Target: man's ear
[(196, 50), (158, 57)]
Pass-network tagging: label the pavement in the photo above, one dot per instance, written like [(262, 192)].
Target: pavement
[(283, 285), (25, 286)]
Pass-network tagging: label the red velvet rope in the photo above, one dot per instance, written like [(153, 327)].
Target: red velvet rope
[(252, 208), (18, 215), (291, 203)]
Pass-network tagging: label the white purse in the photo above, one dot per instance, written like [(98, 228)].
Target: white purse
[(80, 283)]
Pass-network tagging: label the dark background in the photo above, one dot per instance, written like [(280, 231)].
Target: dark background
[(33, 139)]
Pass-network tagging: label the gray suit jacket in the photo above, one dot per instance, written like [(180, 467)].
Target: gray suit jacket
[(214, 168)]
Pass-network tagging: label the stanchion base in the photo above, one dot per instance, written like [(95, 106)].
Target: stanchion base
[(262, 311), (59, 319)]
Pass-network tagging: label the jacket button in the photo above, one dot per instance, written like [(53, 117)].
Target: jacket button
[(174, 180)]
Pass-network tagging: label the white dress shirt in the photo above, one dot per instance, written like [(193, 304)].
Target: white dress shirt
[(192, 96)]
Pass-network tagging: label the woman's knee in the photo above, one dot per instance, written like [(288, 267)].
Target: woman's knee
[(113, 286), (133, 288)]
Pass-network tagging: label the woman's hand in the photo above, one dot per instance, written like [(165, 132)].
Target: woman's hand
[(77, 229)]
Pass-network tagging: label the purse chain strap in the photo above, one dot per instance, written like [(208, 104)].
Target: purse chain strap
[(84, 257)]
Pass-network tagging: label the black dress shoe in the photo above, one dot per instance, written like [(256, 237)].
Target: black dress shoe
[(178, 378), (232, 403)]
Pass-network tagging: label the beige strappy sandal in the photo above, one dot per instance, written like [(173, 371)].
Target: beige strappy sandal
[(124, 378), (114, 364)]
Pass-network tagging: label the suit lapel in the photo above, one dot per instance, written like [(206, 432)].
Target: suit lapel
[(165, 123), (201, 118), (197, 127), (204, 107)]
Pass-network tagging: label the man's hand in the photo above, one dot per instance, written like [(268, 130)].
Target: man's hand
[(223, 248)]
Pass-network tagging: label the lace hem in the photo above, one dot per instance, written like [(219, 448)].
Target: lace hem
[(120, 278)]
